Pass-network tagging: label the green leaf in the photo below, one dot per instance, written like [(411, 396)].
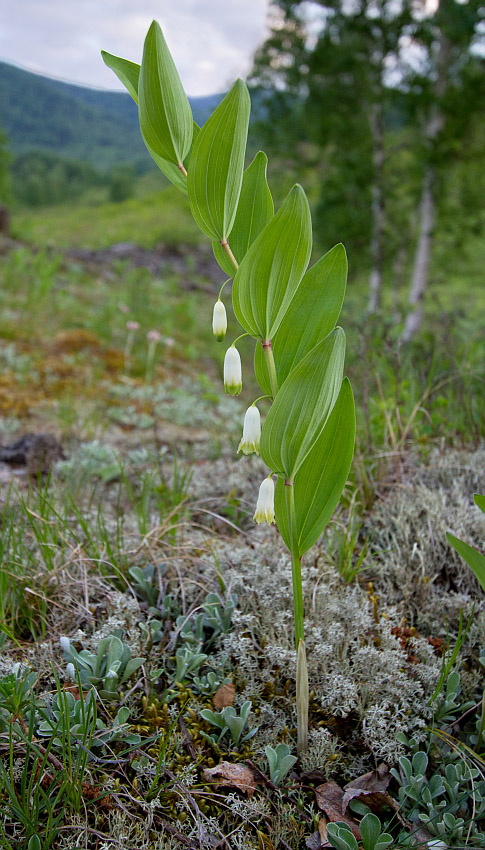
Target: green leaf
[(312, 314), (370, 829), (321, 478), (272, 269), (216, 168), (302, 406), (126, 71), (164, 110), (129, 73), (254, 210), (474, 558), (479, 501)]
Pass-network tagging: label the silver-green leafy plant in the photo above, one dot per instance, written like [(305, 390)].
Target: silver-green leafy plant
[(280, 762), (107, 669), (228, 720), (341, 836), (289, 309)]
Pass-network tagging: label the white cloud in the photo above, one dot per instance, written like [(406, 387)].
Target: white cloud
[(211, 40)]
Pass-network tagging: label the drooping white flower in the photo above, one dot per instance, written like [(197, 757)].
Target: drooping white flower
[(251, 431), (219, 320), (232, 371), (70, 672), (265, 506)]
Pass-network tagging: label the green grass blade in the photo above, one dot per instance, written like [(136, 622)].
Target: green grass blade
[(302, 406), (474, 558), (316, 305), (321, 478), (272, 269), (215, 174), (165, 115), (255, 209)]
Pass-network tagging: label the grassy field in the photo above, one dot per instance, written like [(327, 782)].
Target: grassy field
[(147, 668)]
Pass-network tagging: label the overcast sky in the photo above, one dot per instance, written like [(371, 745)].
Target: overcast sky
[(211, 40)]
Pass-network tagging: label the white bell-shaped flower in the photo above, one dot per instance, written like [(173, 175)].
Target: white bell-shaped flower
[(232, 371), (251, 431), (265, 506), (219, 320)]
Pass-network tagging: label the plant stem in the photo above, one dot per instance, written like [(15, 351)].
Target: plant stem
[(295, 563), (268, 353), (226, 247), (302, 697)]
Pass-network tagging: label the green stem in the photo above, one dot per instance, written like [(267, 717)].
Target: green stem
[(295, 563), (268, 353), (302, 690), (226, 247)]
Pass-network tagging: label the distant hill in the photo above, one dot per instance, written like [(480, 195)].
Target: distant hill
[(75, 122)]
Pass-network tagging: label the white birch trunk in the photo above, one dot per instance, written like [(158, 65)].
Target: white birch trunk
[(422, 257)]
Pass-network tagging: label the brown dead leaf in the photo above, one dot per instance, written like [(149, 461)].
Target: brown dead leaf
[(330, 799), (237, 775), (371, 788), (224, 696)]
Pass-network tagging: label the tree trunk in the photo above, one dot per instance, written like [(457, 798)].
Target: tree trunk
[(427, 206), (375, 277), (422, 258)]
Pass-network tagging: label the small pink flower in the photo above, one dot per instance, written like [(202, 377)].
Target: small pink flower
[(123, 308), (132, 326), (154, 336), (169, 342)]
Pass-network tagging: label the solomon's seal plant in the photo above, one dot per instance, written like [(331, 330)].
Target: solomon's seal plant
[(289, 309)]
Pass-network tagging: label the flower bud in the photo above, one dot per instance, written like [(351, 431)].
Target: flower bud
[(65, 644), (219, 320), (265, 505), (251, 432), (70, 672), (232, 371)]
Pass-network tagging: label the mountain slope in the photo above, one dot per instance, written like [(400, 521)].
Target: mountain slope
[(95, 126)]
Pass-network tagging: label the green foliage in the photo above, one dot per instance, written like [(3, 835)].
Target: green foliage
[(341, 836), (164, 110), (43, 179), (302, 406), (271, 271), (216, 169), (228, 720), (107, 669), (280, 762), (319, 481), (254, 211), (474, 558)]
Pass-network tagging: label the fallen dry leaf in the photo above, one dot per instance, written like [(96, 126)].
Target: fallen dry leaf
[(318, 839), (371, 788), (329, 799), (224, 696), (236, 775)]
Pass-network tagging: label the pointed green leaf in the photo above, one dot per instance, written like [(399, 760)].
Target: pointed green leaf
[(312, 314), (474, 558), (272, 269), (216, 168), (126, 71), (254, 211), (129, 73), (321, 478), (479, 501), (302, 406), (165, 114)]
